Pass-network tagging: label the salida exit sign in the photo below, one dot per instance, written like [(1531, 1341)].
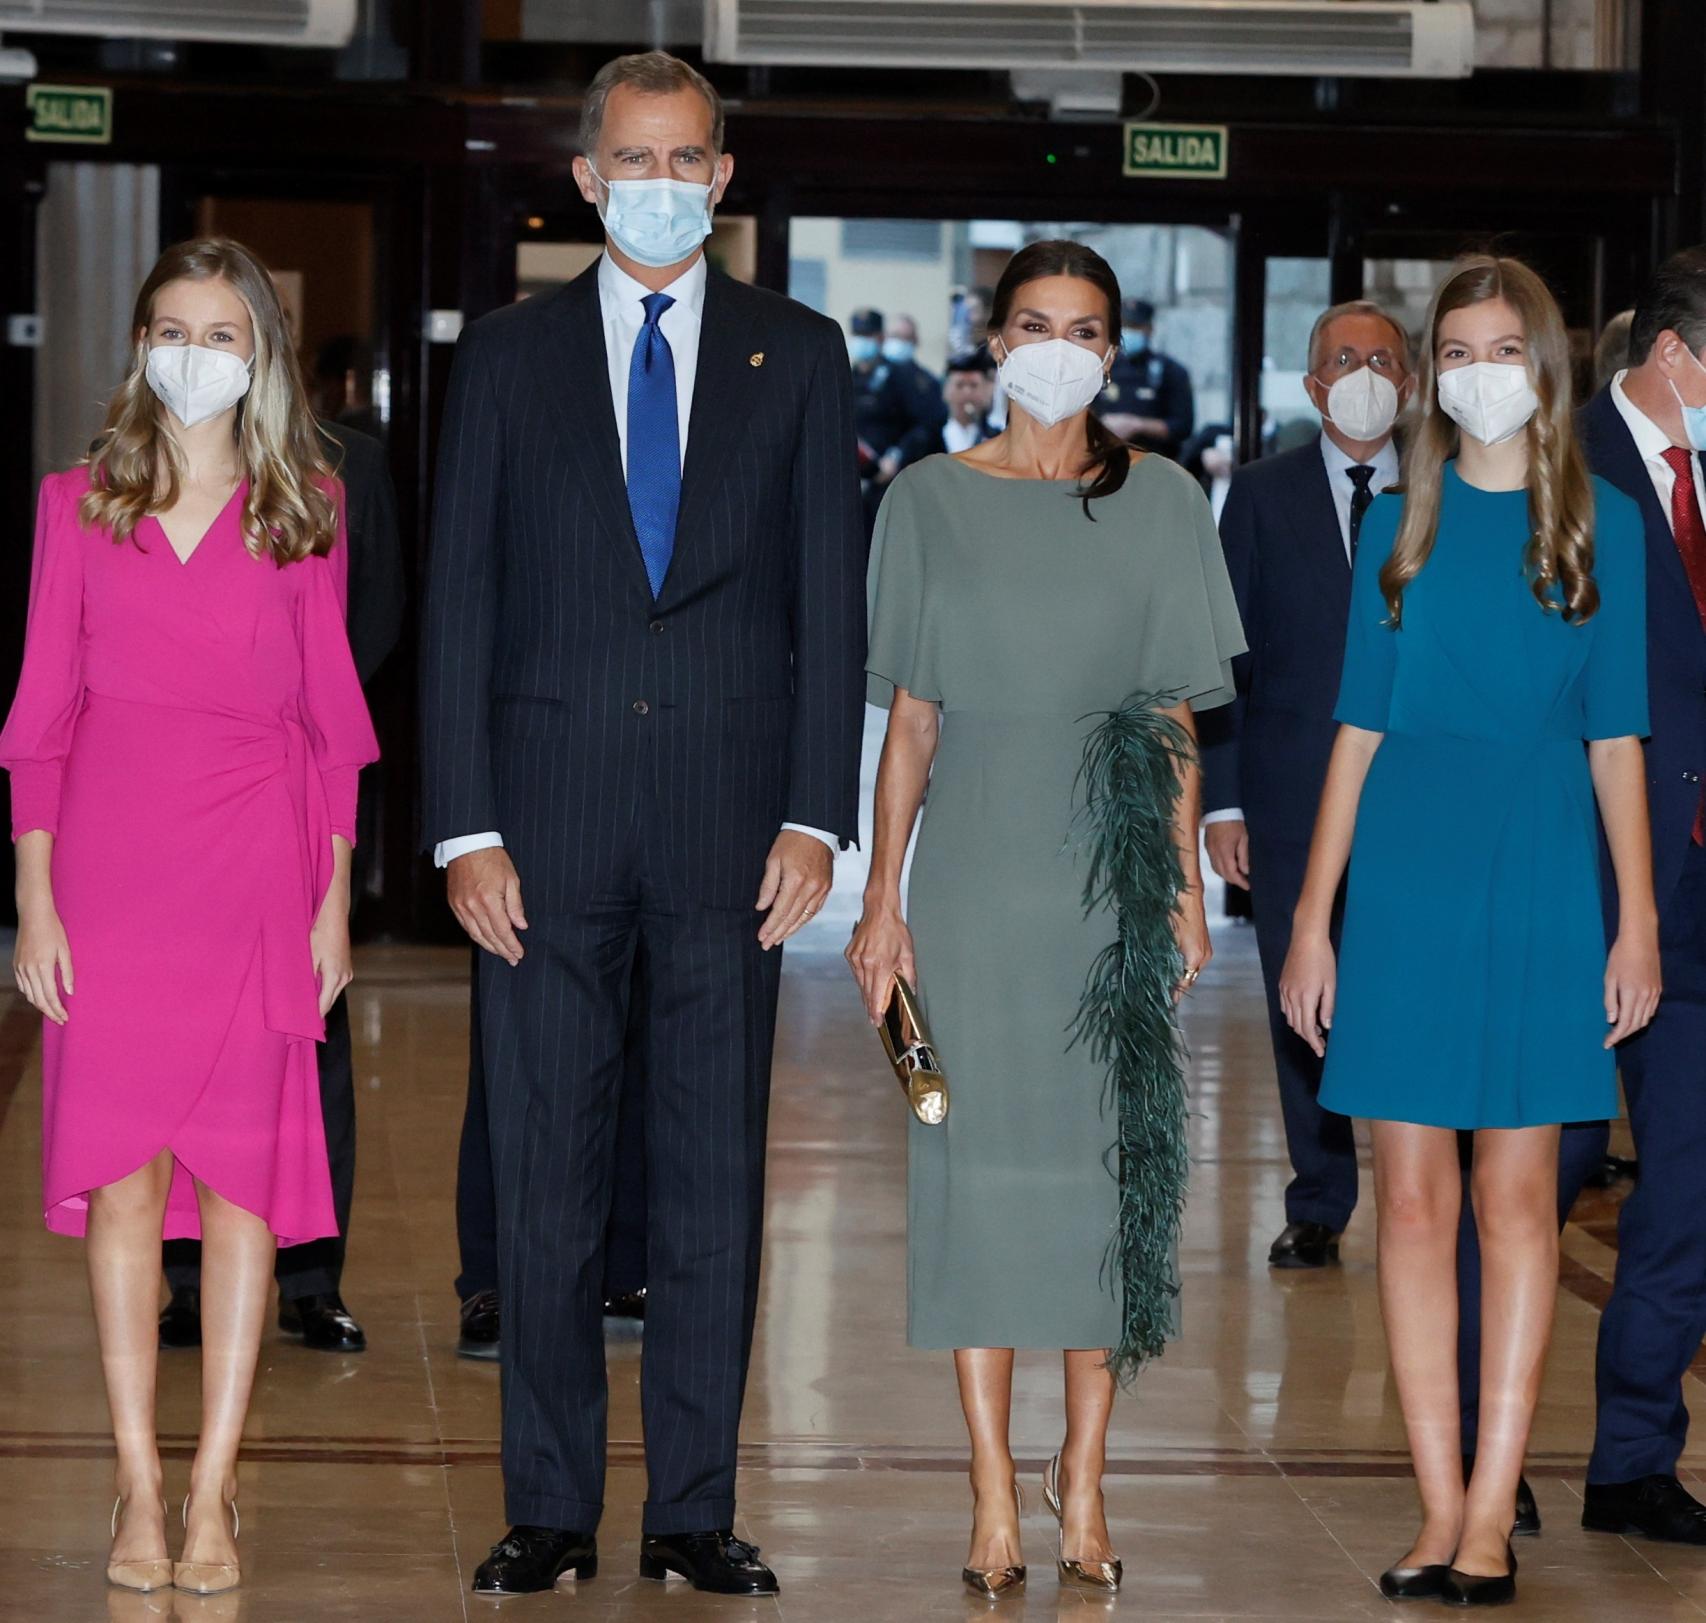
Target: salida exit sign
[(1176, 151), (77, 113)]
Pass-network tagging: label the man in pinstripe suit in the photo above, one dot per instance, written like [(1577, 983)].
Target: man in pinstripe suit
[(642, 701)]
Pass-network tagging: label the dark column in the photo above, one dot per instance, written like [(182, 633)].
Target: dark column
[(1673, 92)]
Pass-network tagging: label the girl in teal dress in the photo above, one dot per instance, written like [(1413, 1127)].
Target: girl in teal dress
[(1497, 622)]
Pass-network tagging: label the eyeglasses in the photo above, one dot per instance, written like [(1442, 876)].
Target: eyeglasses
[(1348, 359)]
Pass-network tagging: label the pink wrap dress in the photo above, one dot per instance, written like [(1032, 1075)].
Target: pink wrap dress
[(191, 733)]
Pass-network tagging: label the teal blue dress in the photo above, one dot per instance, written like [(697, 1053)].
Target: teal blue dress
[(1472, 964)]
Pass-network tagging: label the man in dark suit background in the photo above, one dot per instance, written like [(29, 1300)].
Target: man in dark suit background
[(310, 1277), (968, 392), (1641, 433), (1289, 531), (642, 695)]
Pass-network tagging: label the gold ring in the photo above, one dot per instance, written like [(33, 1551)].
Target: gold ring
[(1191, 975)]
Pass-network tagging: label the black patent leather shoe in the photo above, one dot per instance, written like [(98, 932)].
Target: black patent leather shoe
[(323, 1323), (1413, 1583), (481, 1328), (1479, 1589), (718, 1563), (1656, 1507), (629, 1305), (180, 1318), (1527, 1523), (1304, 1245), (530, 1560)]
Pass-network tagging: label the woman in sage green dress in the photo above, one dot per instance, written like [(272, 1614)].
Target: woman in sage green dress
[(1047, 609)]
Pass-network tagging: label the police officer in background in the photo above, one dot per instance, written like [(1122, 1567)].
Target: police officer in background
[(1148, 400), (968, 392), (892, 398)]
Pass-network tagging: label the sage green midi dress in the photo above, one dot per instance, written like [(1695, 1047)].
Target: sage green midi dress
[(1027, 622)]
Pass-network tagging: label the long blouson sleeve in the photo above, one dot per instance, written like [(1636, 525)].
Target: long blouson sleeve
[(1371, 649), (829, 606), (1614, 692), (37, 735), (901, 653), (459, 624)]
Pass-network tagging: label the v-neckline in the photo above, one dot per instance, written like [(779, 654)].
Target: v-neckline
[(179, 558)]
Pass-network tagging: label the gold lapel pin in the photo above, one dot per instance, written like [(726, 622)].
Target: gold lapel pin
[(755, 360)]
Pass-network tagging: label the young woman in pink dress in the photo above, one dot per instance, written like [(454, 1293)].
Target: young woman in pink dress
[(183, 749)]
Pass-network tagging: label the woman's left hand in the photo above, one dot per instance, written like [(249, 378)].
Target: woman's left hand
[(1190, 930), (329, 943), (1632, 983)]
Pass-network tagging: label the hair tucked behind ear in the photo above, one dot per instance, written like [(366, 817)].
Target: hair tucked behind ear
[(1108, 457)]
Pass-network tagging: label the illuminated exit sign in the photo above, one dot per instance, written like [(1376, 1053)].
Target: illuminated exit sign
[(1176, 151), (79, 113)]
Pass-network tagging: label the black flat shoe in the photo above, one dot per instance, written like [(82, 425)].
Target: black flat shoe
[(629, 1305), (532, 1559), (1527, 1523), (1304, 1245), (1479, 1589), (323, 1323), (481, 1329), (717, 1562), (180, 1318), (1655, 1507), (1413, 1583)]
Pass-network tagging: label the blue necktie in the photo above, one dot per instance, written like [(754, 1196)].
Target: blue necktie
[(654, 443)]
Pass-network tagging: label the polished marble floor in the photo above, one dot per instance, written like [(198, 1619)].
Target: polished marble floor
[(1258, 1471)]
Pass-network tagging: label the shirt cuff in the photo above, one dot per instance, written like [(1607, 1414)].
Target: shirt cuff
[(1226, 814), (447, 851), (817, 834)]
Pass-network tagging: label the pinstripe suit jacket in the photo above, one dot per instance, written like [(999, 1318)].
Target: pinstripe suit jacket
[(560, 703)]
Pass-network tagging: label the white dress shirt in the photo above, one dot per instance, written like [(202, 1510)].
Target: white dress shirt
[(620, 300), (1652, 442), (1385, 465)]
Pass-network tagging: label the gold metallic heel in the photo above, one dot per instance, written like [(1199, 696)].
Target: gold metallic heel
[(208, 1577), (993, 1583), (143, 1576), (1103, 1576)]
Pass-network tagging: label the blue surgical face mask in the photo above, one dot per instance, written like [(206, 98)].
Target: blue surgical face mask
[(899, 350), (864, 347), (1134, 341), (1693, 417), (655, 222)]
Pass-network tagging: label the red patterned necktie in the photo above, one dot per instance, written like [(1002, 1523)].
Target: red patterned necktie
[(1690, 531)]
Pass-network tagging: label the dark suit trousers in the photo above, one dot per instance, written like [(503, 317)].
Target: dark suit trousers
[(314, 1269), (1320, 1143), (477, 1201), (1653, 1325), (553, 1031)]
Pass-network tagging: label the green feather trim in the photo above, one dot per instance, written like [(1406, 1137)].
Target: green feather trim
[(1128, 790)]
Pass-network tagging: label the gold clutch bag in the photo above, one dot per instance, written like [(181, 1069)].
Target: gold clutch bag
[(906, 1041)]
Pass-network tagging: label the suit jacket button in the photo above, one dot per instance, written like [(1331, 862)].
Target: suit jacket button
[(641, 708), (657, 627)]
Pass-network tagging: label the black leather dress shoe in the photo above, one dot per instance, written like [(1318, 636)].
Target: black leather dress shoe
[(480, 1337), (532, 1559), (1480, 1589), (180, 1318), (323, 1322), (1413, 1583), (1304, 1245), (1527, 1523), (1656, 1507), (1611, 1171), (717, 1563), (629, 1305)]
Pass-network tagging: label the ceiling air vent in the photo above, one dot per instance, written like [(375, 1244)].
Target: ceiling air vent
[(236, 22), (1424, 39)]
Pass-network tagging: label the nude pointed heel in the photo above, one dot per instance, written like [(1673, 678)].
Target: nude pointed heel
[(1102, 1576), (208, 1577), (143, 1576), (993, 1583)]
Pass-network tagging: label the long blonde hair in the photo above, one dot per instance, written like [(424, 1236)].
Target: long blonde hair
[(135, 467), (1559, 559)]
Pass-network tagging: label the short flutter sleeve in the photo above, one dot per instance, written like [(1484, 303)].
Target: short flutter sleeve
[(1371, 644), (1194, 633), (37, 735), (1614, 683), (339, 728), (899, 653)]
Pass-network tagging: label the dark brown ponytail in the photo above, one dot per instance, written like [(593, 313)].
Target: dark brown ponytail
[(1107, 458)]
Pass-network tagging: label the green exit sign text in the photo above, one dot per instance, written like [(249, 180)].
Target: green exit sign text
[(81, 113), (1176, 151)]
